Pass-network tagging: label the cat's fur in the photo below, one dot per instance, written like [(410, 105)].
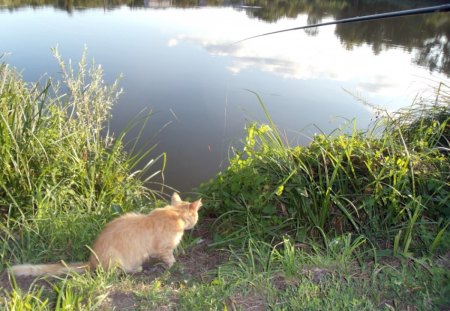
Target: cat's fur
[(129, 240)]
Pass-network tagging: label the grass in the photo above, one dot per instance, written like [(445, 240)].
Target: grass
[(247, 281), (62, 173), (386, 183), (357, 220)]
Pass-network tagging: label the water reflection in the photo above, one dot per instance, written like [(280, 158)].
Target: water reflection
[(298, 55), (183, 63), (431, 42)]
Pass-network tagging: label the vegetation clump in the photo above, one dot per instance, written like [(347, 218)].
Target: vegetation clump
[(328, 225), (389, 183), (60, 167)]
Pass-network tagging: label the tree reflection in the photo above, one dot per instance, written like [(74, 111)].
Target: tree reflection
[(428, 34), (273, 10)]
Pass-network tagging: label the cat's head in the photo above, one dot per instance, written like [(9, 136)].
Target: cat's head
[(190, 210)]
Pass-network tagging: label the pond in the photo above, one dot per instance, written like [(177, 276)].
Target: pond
[(181, 60)]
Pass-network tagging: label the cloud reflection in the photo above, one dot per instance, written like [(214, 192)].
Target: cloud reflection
[(172, 43), (297, 55)]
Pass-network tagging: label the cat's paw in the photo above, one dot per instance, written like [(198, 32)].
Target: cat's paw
[(134, 270), (169, 261)]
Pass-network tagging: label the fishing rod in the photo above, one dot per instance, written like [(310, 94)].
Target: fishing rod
[(431, 9)]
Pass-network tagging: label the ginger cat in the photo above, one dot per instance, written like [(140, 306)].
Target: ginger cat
[(129, 240)]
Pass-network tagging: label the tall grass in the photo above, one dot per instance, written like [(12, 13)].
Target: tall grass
[(62, 172), (389, 183)]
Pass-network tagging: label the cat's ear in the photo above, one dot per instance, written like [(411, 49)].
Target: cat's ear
[(175, 199), (195, 206)]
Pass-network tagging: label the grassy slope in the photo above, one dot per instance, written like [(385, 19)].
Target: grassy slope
[(353, 222)]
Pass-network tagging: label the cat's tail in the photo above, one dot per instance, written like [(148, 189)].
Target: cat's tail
[(49, 269)]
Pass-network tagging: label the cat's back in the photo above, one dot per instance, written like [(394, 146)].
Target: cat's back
[(130, 223), (126, 220), (124, 227)]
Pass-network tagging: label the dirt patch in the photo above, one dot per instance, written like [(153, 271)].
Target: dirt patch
[(118, 300), (251, 301), (199, 261), (25, 283)]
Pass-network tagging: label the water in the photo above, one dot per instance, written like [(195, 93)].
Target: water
[(178, 59)]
